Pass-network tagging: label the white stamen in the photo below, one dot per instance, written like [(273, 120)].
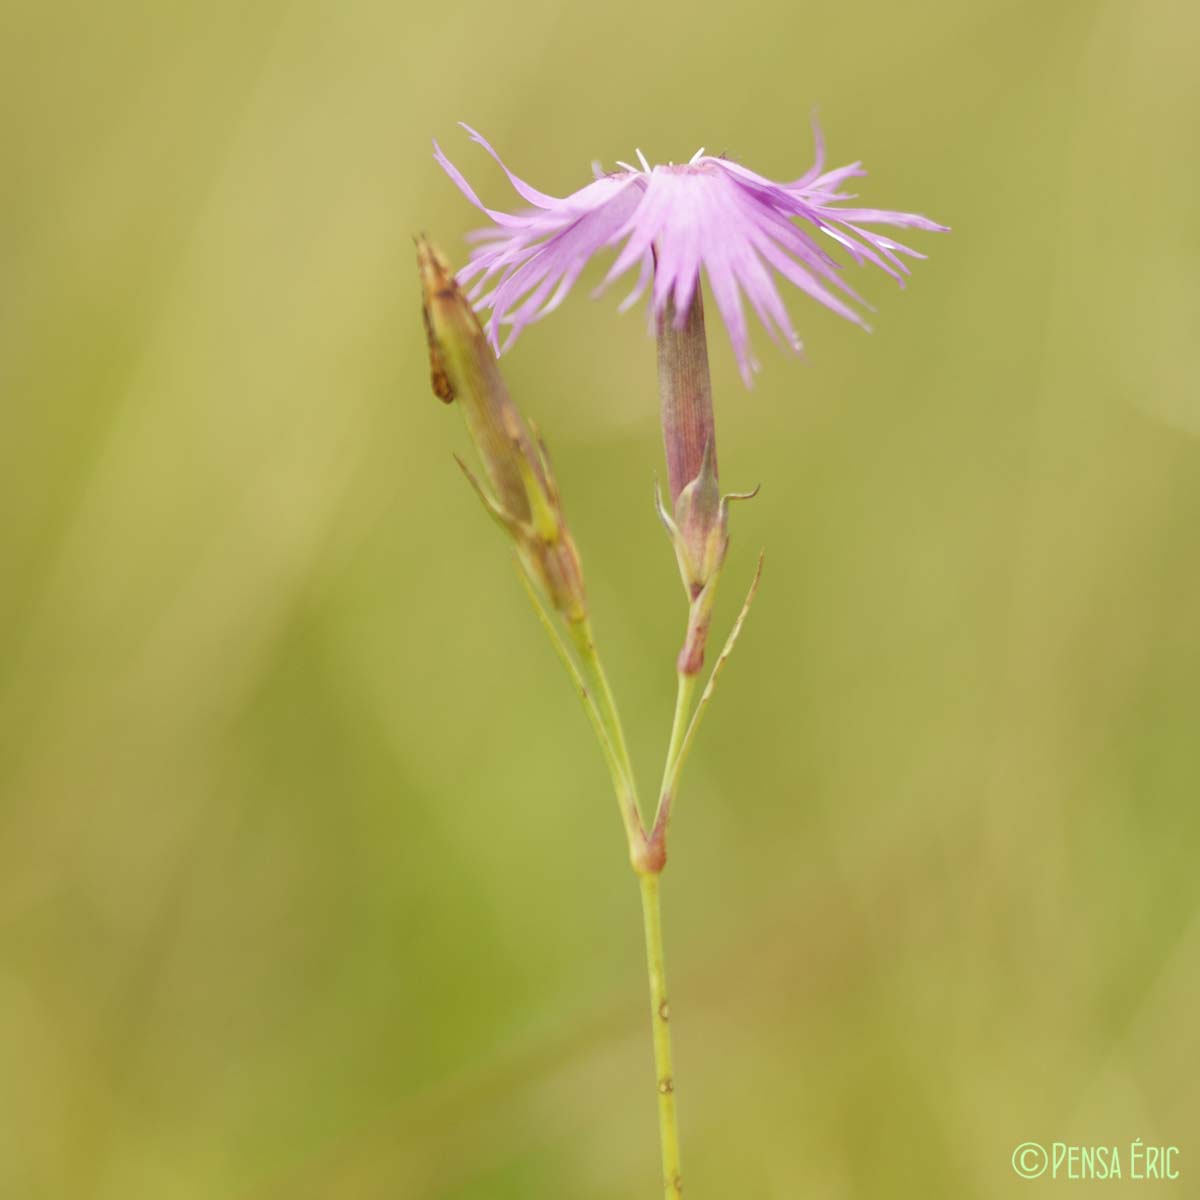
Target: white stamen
[(628, 166), (837, 237), (696, 156), (642, 159)]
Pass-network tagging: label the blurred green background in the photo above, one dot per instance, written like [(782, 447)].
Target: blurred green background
[(311, 884)]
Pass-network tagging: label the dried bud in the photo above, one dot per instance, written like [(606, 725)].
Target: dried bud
[(523, 497)]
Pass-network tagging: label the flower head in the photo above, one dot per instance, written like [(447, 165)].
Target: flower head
[(669, 221)]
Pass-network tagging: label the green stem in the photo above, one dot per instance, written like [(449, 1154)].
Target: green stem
[(616, 767), (660, 1017), (684, 690), (647, 854), (610, 723), (675, 764), (649, 866)]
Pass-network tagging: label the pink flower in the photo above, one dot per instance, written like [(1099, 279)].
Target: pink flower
[(669, 222)]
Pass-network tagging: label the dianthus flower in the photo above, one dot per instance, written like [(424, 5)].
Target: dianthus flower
[(671, 223), (671, 220)]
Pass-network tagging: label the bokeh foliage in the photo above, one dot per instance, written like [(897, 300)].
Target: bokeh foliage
[(310, 882)]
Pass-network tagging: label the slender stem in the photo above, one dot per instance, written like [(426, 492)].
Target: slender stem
[(684, 690), (675, 766), (648, 879), (610, 721), (647, 854), (660, 1017), (616, 767)]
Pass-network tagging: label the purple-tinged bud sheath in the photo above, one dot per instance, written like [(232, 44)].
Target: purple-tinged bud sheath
[(699, 522), (699, 527), (685, 395)]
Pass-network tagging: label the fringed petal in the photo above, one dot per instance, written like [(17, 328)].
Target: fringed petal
[(711, 216)]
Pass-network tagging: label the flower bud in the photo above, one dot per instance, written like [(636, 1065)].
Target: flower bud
[(523, 496)]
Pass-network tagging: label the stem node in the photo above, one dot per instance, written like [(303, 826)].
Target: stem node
[(649, 854)]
